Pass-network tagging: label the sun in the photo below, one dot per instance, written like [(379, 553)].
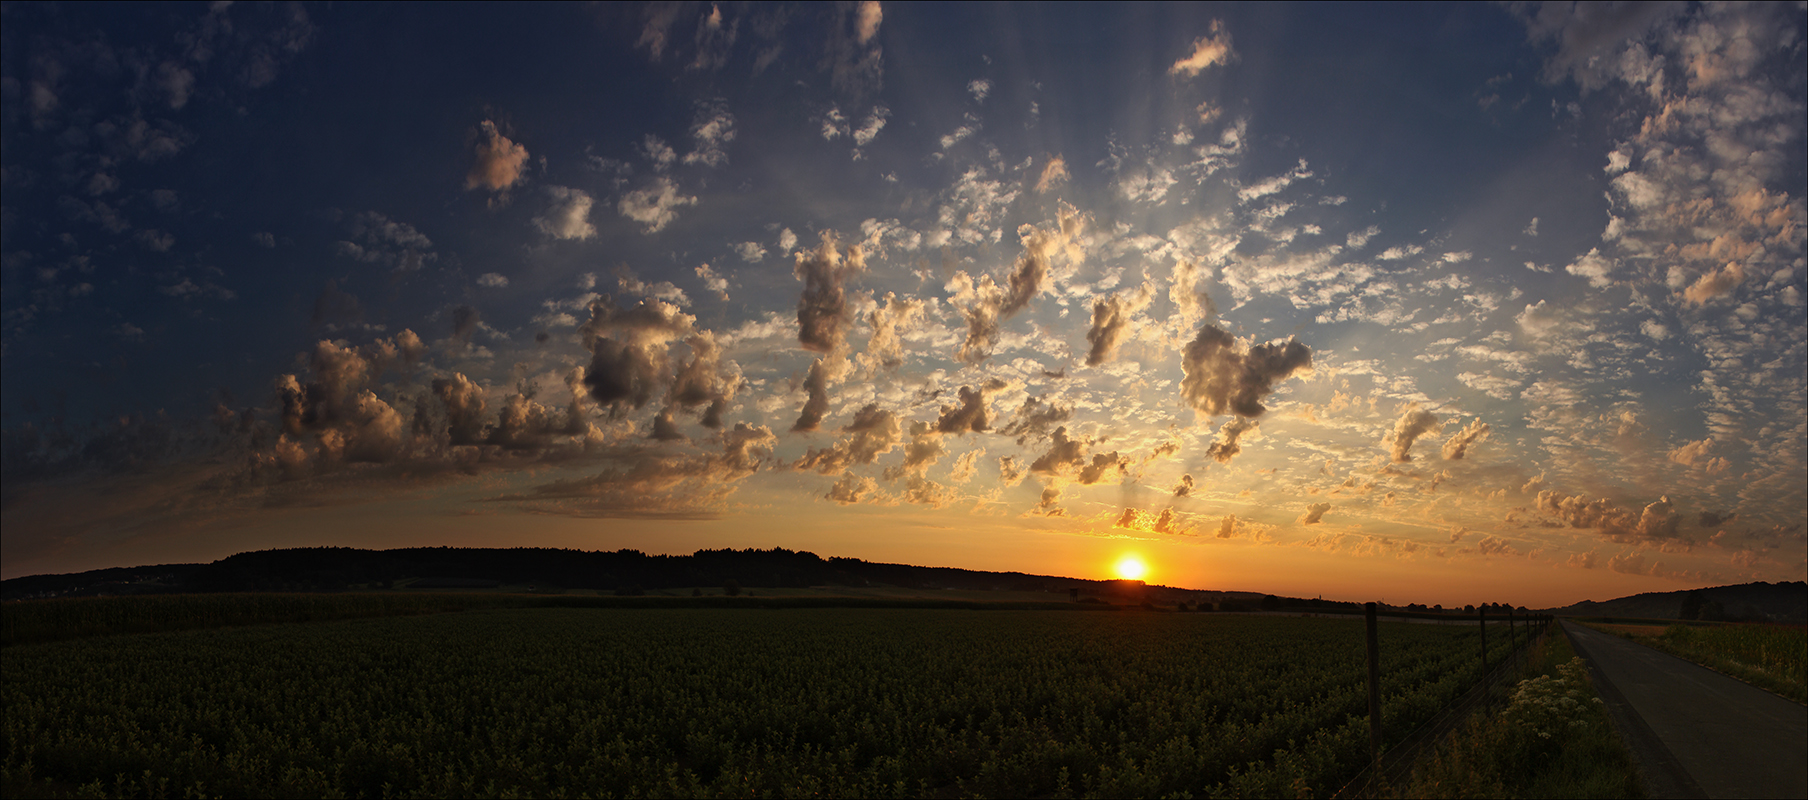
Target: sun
[(1131, 568)]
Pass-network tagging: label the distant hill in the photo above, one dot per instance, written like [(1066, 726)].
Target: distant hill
[(624, 572), (1774, 602)]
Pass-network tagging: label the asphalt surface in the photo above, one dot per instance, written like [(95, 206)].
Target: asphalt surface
[(1694, 731)]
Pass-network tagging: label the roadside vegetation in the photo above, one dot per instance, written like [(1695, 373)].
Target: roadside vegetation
[(1771, 657), (1546, 736)]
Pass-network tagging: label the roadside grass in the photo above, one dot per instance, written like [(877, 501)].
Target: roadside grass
[(1771, 657), (1549, 736)]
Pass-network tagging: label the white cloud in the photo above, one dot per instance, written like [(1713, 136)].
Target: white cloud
[(1594, 267), (654, 205), (750, 252), (1207, 50), (568, 215), (979, 88), (492, 280)]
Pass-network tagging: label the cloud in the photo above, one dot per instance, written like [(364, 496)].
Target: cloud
[(705, 381), (970, 415), (499, 161), (1227, 527), (654, 205), (750, 252), (1715, 283), (1458, 446), (492, 280), (1035, 420), (1221, 377), (985, 304), (567, 216), (873, 432), (1111, 321), (1314, 513), (1184, 487), (629, 362), (713, 128), (822, 308), (713, 282), (1657, 520), (889, 321), (867, 20), (1413, 423), (979, 88), (1054, 173), (1593, 266), (1066, 461), (1207, 50), (851, 489), (1227, 446)]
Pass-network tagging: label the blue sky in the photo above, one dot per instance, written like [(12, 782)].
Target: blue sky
[(1418, 300)]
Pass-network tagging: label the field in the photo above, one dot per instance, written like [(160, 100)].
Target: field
[(1772, 657), (721, 702)]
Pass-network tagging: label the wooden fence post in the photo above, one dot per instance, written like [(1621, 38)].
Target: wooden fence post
[(1368, 614), (1482, 614)]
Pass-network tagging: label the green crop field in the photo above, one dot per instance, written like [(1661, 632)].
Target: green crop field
[(721, 702)]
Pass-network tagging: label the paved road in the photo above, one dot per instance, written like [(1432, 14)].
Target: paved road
[(1696, 732)]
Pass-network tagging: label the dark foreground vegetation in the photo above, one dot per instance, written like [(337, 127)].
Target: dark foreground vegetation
[(721, 702), (1544, 735)]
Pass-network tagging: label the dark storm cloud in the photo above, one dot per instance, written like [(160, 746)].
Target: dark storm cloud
[(1221, 377), (629, 363)]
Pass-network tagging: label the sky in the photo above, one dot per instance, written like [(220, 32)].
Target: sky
[(1435, 303)]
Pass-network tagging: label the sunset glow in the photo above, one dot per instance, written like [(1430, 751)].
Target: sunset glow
[(1430, 303), (1131, 568)]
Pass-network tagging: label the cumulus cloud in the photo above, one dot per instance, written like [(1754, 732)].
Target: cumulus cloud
[(1413, 423), (986, 304), (654, 205), (1593, 266), (1035, 419), (1314, 513), (970, 415), (1066, 461), (1228, 444), (873, 432), (492, 280), (1222, 377), (889, 321), (1656, 520), (1458, 446), (499, 161), (1207, 50), (630, 363), (822, 309), (1111, 322), (567, 215), (1184, 487), (1227, 527)]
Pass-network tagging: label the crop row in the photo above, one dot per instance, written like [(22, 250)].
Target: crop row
[(708, 702)]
